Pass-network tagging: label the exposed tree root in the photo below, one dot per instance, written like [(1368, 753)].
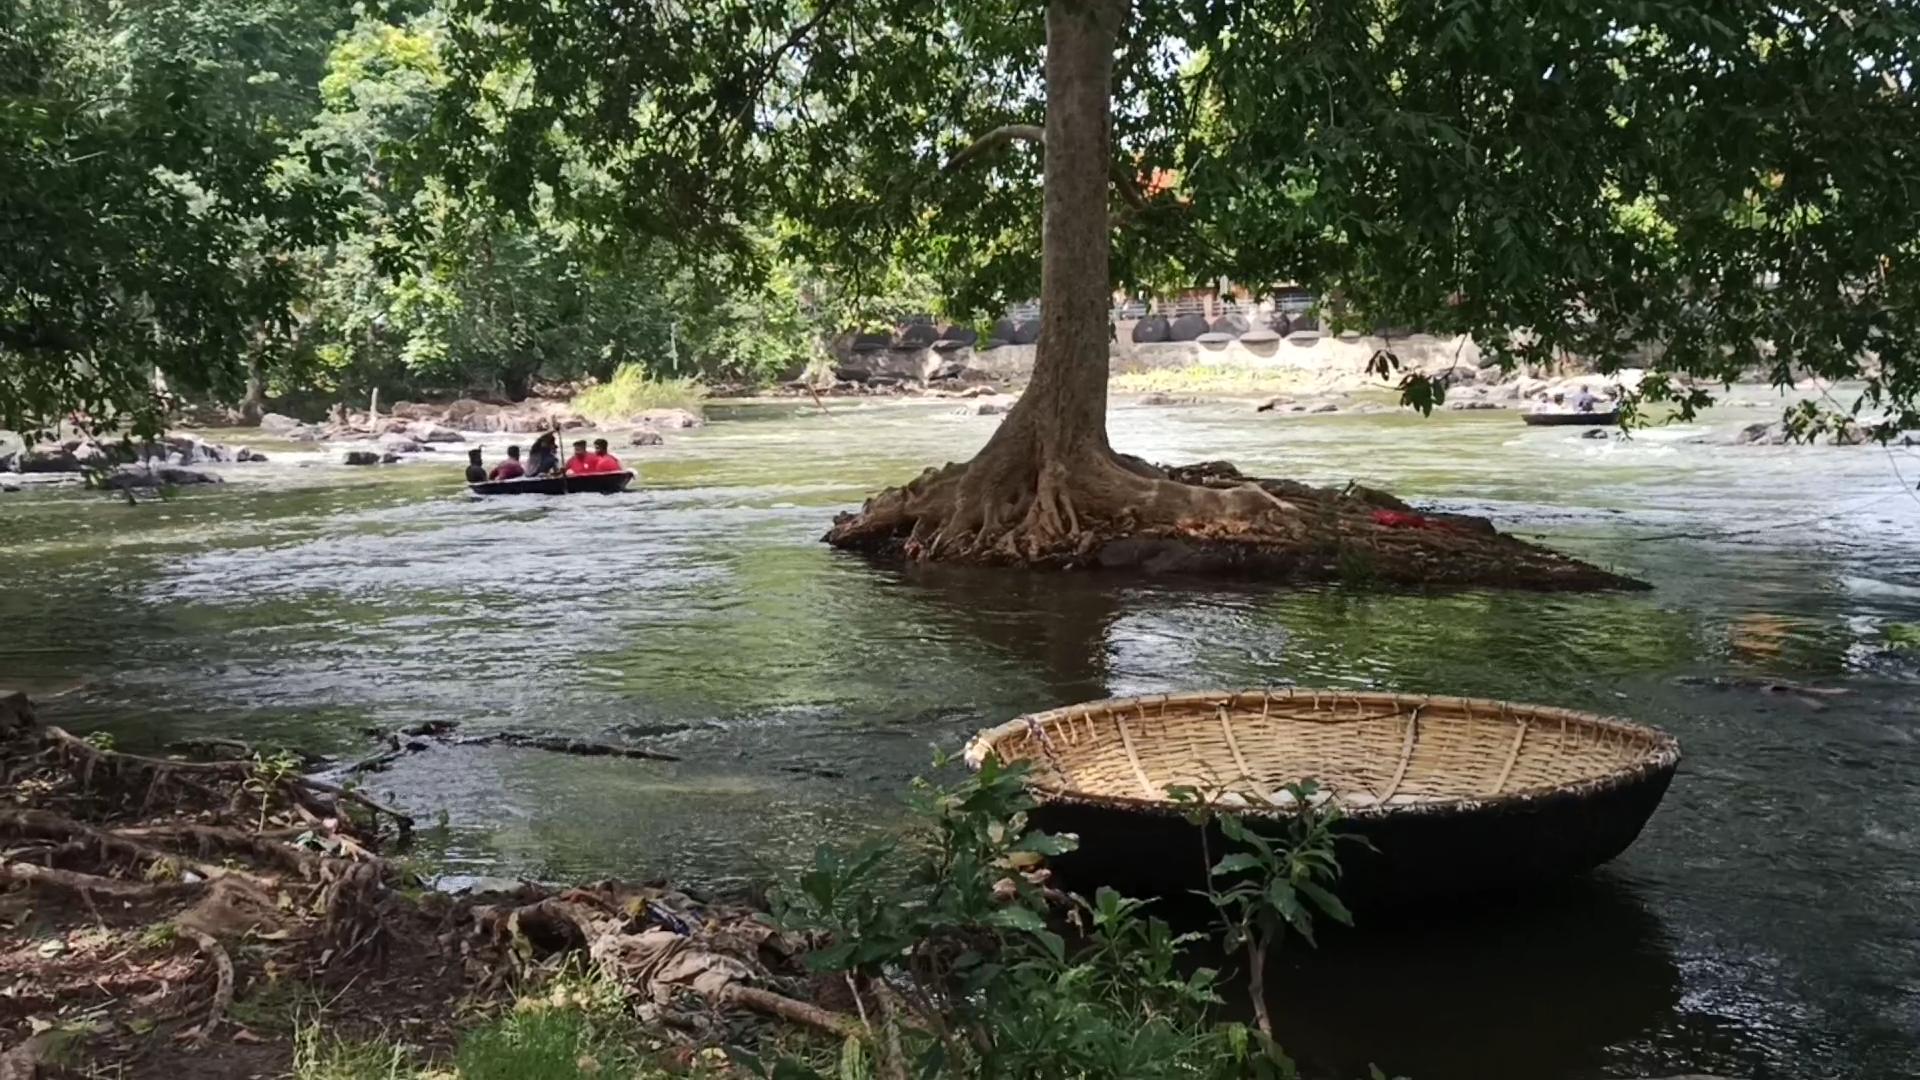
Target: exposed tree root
[(1091, 508), (223, 981), (90, 761), (109, 854)]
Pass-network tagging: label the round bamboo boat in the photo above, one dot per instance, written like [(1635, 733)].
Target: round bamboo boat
[(1456, 795)]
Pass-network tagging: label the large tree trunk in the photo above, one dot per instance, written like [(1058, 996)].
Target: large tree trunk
[(1048, 489)]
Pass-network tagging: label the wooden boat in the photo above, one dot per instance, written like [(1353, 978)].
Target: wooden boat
[(1456, 795), (606, 483), (1569, 419)]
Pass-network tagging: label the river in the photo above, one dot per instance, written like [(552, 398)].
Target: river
[(1767, 923)]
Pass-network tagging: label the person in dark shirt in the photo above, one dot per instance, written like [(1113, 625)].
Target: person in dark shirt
[(544, 458), (476, 472), (510, 469)]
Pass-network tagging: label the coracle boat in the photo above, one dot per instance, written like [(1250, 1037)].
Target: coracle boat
[(1570, 419), (1456, 795), (606, 483)]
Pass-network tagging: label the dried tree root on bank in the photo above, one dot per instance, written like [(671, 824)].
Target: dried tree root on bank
[(144, 900)]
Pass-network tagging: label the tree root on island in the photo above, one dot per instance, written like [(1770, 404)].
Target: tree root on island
[(1097, 509)]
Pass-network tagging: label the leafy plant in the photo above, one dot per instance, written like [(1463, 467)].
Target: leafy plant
[(957, 952), (633, 389), (1265, 888), (269, 776)]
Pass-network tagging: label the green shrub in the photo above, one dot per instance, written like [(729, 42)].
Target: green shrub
[(635, 390)]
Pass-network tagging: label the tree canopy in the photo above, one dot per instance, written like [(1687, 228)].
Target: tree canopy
[(1722, 186)]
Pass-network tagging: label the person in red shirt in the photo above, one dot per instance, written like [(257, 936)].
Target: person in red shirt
[(602, 461), (510, 469), (581, 463)]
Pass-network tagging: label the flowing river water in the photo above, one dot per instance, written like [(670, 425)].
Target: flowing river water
[(1766, 924)]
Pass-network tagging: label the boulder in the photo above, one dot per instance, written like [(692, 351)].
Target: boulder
[(413, 410), (362, 457), (16, 713), (645, 437), (985, 407), (47, 458), (1272, 403), (274, 423), (244, 454), (1762, 434), (1596, 433), (667, 419), (1473, 405), (1325, 407), (427, 431), (151, 476), (389, 458), (1149, 330), (399, 444), (949, 371)]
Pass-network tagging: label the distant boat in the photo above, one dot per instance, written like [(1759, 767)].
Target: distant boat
[(606, 483), (1569, 419)]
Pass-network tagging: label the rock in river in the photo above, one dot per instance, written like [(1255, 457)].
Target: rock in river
[(361, 457), (645, 437), (400, 444), (427, 431), (666, 419), (149, 476)]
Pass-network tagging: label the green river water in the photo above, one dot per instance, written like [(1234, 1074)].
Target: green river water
[(1767, 923)]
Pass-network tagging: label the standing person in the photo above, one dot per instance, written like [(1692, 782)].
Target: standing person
[(1583, 401), (602, 460), (476, 472), (544, 458), (581, 463), (510, 469)]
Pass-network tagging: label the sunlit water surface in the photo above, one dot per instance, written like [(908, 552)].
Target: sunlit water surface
[(1766, 924)]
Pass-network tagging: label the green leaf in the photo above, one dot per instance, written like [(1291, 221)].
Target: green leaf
[(1237, 862), (1327, 902)]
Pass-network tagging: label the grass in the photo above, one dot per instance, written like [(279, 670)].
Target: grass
[(635, 390), (575, 1028), (320, 1056), (1212, 379)]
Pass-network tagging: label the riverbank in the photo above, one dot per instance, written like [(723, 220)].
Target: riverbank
[(235, 916)]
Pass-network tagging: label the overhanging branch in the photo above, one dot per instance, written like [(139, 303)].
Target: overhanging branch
[(1034, 133)]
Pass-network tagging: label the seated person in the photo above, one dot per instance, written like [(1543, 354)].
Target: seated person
[(602, 461), (476, 472), (510, 469), (581, 463), (544, 458)]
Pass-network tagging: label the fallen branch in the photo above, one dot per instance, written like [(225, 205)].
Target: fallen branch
[(768, 1003), (223, 980), (560, 744)]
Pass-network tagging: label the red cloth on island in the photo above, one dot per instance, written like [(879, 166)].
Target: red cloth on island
[(1396, 519), (507, 470)]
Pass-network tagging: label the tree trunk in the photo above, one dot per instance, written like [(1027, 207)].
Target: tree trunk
[(1048, 490), (254, 404), (1066, 403)]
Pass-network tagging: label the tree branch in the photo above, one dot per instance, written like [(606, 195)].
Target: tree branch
[(1032, 133), (771, 65), (1036, 134)]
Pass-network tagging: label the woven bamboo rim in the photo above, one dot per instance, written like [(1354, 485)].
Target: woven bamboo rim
[(1370, 753)]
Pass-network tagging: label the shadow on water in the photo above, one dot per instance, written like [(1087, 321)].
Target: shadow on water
[(1574, 972)]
